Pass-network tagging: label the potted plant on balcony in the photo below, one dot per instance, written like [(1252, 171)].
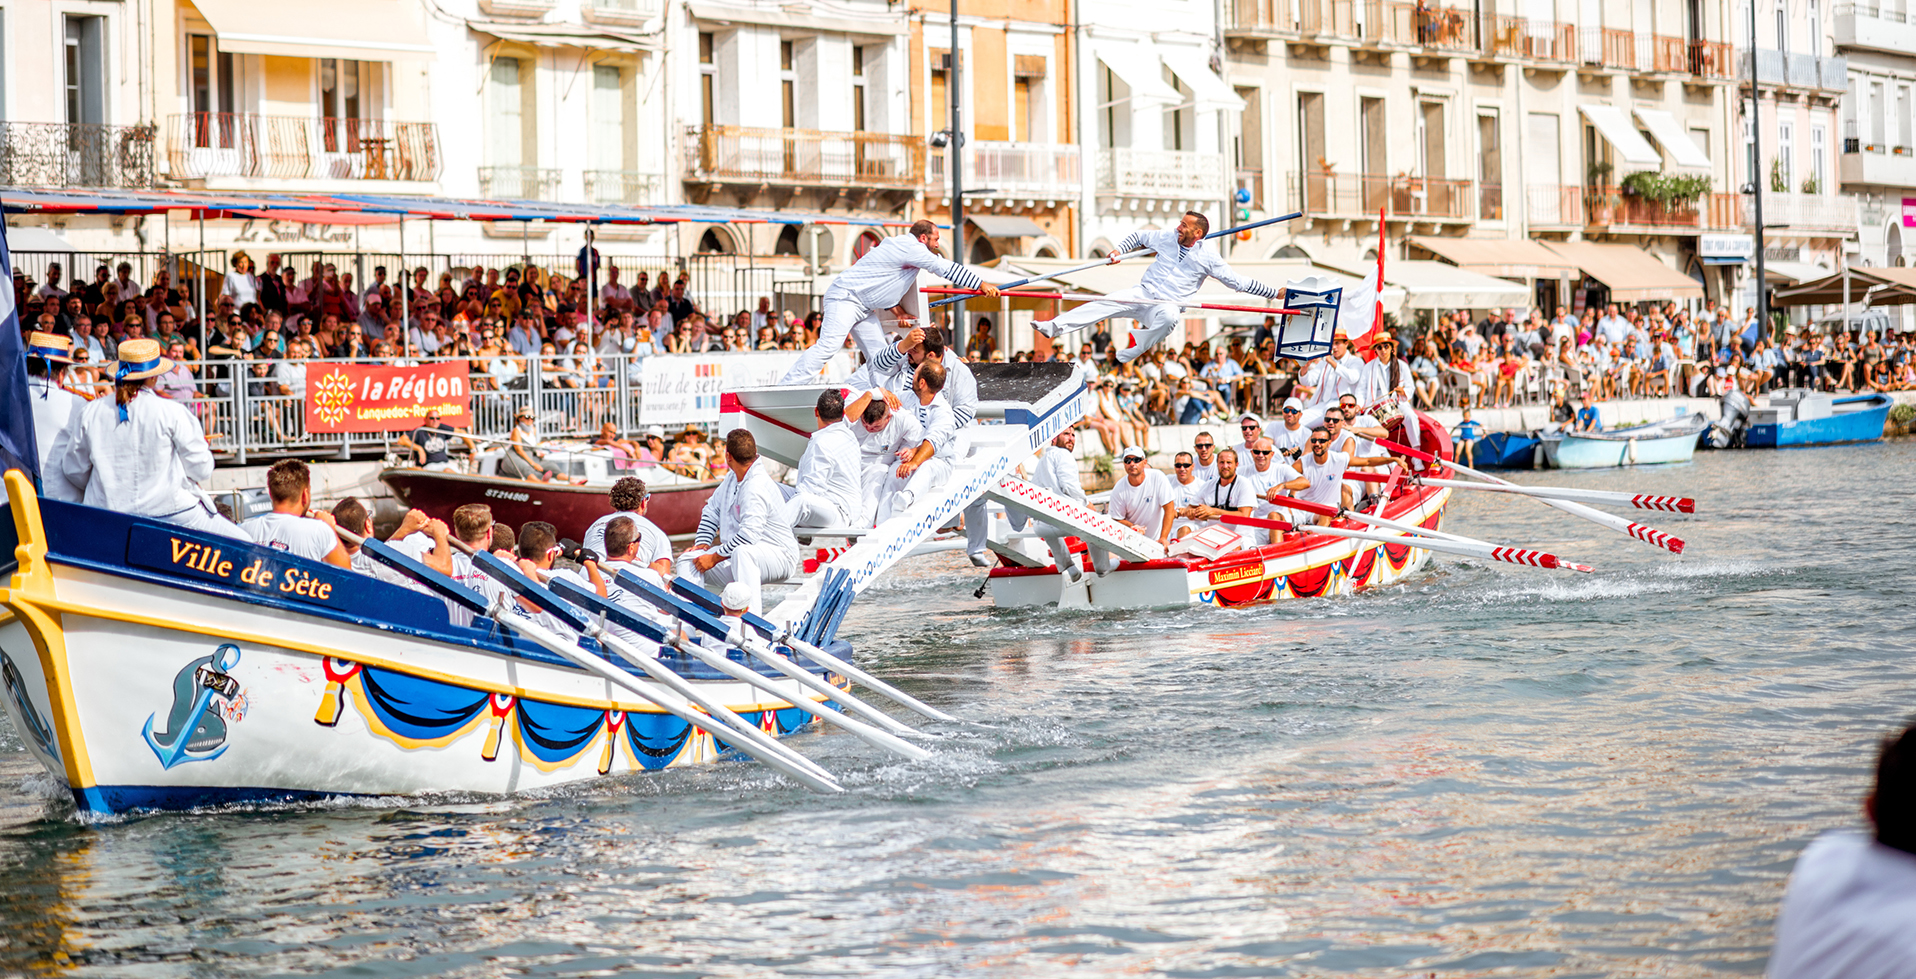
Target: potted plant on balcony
[(1810, 186), (1600, 200), (1779, 184)]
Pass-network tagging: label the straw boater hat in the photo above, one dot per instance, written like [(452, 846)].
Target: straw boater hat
[(1383, 336), (139, 360), (51, 347)]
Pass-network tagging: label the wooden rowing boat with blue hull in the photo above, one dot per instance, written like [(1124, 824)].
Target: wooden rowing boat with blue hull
[(151, 667), (1800, 422), (1670, 440)]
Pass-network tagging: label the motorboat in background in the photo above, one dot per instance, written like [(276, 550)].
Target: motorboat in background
[(1670, 440), (1799, 417), (571, 507)]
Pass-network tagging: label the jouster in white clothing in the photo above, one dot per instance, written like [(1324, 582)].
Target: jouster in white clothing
[(878, 457), (301, 536), (1287, 439), (828, 482), (893, 369), (741, 523), (149, 465), (937, 424), (1847, 912), (1174, 277), (56, 415), (876, 282), (1143, 503), (1376, 381)]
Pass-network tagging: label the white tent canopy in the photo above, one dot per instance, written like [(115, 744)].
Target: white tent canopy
[(1438, 285)]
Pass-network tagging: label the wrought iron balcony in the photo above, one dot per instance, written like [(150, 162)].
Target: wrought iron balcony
[(1362, 195), (803, 157), (1049, 171), (518, 183), (245, 144), (1166, 174), (59, 154), (621, 187)]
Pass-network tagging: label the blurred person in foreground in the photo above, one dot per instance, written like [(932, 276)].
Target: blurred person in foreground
[(1852, 898)]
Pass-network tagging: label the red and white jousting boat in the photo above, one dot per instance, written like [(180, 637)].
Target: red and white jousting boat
[(1294, 565)]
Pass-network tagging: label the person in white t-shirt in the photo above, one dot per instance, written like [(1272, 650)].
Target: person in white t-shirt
[(1321, 476), (1204, 466), (1851, 898), (630, 499), (1143, 500), (1229, 493), (1191, 492), (1265, 473), (427, 544), (1289, 437), (293, 526)]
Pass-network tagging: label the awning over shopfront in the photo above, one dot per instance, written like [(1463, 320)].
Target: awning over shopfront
[(1519, 258), (1622, 137), (1194, 69), (1790, 273), (1682, 149), (1139, 68), (1435, 285), (1632, 274), (1006, 225), (1876, 286), (365, 30)]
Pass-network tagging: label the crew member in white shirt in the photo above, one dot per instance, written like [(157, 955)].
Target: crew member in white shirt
[(143, 455), (827, 491), (1321, 478), (896, 367), (1253, 429), (886, 434), (1191, 491), (293, 525), (56, 412), (1229, 493), (472, 524), (1289, 438), (741, 536), (1143, 500), (1265, 472), (876, 284), (1205, 465), (1387, 377), (929, 464), (630, 499), (1184, 260), (623, 552), (429, 544)]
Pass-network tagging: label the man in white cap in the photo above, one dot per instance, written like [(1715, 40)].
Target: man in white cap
[(827, 493), (929, 464), (1144, 499), (741, 535), (56, 412), (1184, 260), (1253, 429), (142, 455), (293, 525), (1289, 438), (875, 284)]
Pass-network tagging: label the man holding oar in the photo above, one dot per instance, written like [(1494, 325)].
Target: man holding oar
[(1321, 474), (876, 284), (1183, 263)]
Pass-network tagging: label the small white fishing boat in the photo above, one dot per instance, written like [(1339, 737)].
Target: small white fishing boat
[(1670, 440)]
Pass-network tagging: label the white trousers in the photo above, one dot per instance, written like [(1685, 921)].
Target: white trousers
[(895, 495), (1155, 320), (203, 518), (753, 564), (812, 510), (842, 317)]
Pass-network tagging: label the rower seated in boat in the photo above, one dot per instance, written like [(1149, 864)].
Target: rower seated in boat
[(741, 536), (293, 525), (1230, 493), (630, 500), (827, 491), (929, 464), (886, 433), (626, 550), (472, 524), (538, 552), (431, 547), (143, 455), (1143, 500), (1322, 477)]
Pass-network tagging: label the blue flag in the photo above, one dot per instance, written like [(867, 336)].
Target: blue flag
[(18, 450)]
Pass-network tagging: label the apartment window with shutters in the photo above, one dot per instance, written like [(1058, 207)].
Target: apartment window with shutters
[(708, 79), (85, 80), (1027, 97), (1490, 167), (1176, 119), (1903, 109), (787, 84), (1786, 155), (210, 92), (1314, 171), (1819, 166), (1701, 137), (611, 146), (508, 93), (940, 94), (1373, 149), (858, 89), (341, 81)]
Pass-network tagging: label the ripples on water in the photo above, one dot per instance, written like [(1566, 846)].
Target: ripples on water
[(1479, 771)]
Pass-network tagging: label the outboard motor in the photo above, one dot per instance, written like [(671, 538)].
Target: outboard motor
[(1728, 431)]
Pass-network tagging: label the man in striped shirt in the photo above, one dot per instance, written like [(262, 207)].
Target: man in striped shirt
[(742, 535), (877, 283), (1184, 261)]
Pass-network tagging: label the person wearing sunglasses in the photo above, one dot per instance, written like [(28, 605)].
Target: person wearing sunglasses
[(1192, 492), (1321, 475), (1253, 429), (1204, 467), (1229, 493), (1143, 500), (1290, 436), (1265, 473)]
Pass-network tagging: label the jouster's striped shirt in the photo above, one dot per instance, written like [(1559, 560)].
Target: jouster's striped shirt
[(1179, 271), (879, 279), (961, 387), (743, 512)]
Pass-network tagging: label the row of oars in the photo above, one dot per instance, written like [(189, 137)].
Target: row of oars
[(1569, 500), (593, 617)]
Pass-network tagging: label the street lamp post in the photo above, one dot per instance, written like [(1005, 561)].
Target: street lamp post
[(1756, 179), (956, 160)]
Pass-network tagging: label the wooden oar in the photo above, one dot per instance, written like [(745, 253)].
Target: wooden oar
[(1088, 266), (1629, 528), (1325, 510), (1508, 555), (1077, 297)]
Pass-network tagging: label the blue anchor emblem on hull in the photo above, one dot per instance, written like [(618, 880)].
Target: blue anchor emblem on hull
[(189, 726)]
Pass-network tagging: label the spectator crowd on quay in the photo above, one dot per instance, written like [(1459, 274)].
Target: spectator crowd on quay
[(505, 320)]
